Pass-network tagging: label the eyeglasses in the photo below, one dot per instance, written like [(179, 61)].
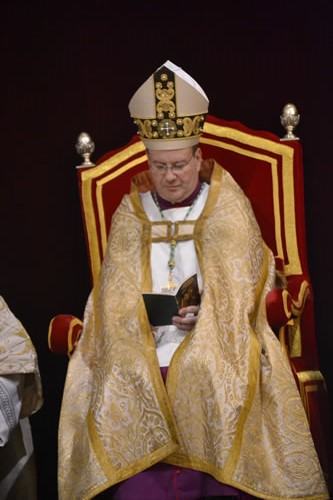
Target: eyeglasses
[(176, 168)]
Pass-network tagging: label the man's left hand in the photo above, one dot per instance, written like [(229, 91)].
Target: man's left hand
[(187, 318)]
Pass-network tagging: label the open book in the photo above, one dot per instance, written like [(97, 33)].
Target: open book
[(162, 306)]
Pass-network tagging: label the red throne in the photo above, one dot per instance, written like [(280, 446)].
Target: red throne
[(270, 171)]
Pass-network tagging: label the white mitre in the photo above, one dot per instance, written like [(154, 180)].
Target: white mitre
[(169, 109)]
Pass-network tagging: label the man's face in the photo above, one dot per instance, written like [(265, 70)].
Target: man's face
[(175, 173)]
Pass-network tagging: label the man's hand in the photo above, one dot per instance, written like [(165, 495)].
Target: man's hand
[(187, 318)]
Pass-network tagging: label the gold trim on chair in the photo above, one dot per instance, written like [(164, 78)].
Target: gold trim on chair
[(99, 196), (310, 381)]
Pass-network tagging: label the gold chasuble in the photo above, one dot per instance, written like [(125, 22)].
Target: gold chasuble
[(18, 357), (230, 406)]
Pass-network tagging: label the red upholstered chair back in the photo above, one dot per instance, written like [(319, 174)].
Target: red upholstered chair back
[(269, 171)]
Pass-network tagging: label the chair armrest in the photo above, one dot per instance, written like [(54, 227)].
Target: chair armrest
[(64, 333), (285, 304)]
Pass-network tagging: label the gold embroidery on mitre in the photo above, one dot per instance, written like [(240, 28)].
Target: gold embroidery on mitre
[(144, 128), (164, 99)]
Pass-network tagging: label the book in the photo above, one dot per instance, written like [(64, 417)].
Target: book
[(162, 306)]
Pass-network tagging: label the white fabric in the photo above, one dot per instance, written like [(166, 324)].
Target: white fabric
[(10, 405), (185, 76), (20, 397), (168, 338), (7, 483)]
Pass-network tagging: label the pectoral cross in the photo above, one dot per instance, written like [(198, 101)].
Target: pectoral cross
[(172, 285)]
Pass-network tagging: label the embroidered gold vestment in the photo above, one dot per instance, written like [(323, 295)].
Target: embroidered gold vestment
[(230, 406), (18, 357)]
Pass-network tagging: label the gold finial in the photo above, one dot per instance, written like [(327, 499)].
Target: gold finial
[(85, 147), (289, 120)]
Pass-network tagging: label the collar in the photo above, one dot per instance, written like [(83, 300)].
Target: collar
[(164, 204)]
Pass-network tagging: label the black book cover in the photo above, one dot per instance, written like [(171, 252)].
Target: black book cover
[(162, 306)]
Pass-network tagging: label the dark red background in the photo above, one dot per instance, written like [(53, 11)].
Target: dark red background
[(68, 67)]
